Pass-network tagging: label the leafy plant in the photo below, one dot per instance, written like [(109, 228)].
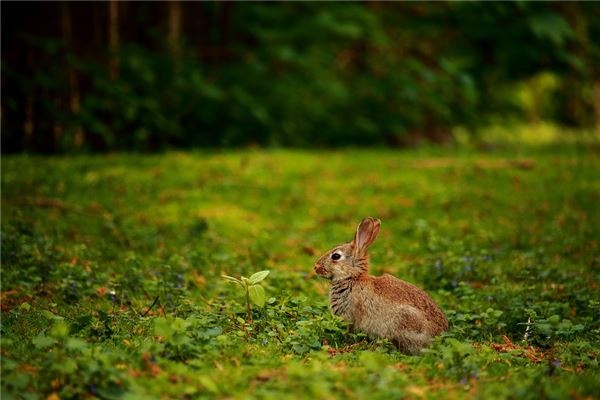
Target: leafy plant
[(252, 289)]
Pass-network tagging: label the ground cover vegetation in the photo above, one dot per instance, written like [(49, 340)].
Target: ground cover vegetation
[(112, 272)]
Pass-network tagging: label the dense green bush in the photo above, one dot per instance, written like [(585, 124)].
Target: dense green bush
[(301, 74)]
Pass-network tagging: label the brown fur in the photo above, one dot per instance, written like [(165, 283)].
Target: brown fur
[(400, 291), (383, 306)]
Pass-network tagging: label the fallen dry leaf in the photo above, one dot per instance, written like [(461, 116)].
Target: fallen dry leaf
[(533, 354)]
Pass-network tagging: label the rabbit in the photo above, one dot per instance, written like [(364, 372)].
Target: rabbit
[(382, 306)]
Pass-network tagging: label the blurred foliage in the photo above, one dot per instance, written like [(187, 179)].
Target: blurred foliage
[(308, 74)]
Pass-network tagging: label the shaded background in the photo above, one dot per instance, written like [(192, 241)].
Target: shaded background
[(104, 76)]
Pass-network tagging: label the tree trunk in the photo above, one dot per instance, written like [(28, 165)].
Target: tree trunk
[(29, 123), (174, 32), (113, 38), (74, 95)]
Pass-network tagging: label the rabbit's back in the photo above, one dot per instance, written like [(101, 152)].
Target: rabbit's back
[(380, 315), (408, 296), (388, 307)]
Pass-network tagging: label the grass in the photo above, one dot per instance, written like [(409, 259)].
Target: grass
[(112, 287)]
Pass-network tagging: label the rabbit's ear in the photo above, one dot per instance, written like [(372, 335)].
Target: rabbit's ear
[(366, 233)]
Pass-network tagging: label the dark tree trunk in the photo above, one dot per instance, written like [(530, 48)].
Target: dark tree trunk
[(74, 94), (175, 27), (113, 38)]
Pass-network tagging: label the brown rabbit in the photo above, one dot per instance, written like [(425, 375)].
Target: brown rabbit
[(382, 306)]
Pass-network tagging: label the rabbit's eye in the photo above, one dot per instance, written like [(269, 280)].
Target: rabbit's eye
[(336, 256)]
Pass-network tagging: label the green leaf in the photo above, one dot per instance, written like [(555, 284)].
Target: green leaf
[(67, 366), (50, 315), (232, 279), (257, 295), (300, 348), (179, 325), (258, 277), (162, 327), (75, 344), (60, 330), (551, 26), (555, 319), (17, 380), (180, 339), (9, 365), (213, 331), (41, 342), (372, 361), (209, 384), (544, 329)]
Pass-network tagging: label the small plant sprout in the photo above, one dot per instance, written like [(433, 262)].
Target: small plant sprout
[(254, 291)]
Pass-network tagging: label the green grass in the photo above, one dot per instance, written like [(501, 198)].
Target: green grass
[(111, 273)]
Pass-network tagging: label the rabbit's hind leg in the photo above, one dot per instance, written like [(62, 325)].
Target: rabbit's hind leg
[(411, 343)]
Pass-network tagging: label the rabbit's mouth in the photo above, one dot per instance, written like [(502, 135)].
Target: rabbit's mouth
[(320, 270)]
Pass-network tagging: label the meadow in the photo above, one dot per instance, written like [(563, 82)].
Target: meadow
[(112, 271)]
